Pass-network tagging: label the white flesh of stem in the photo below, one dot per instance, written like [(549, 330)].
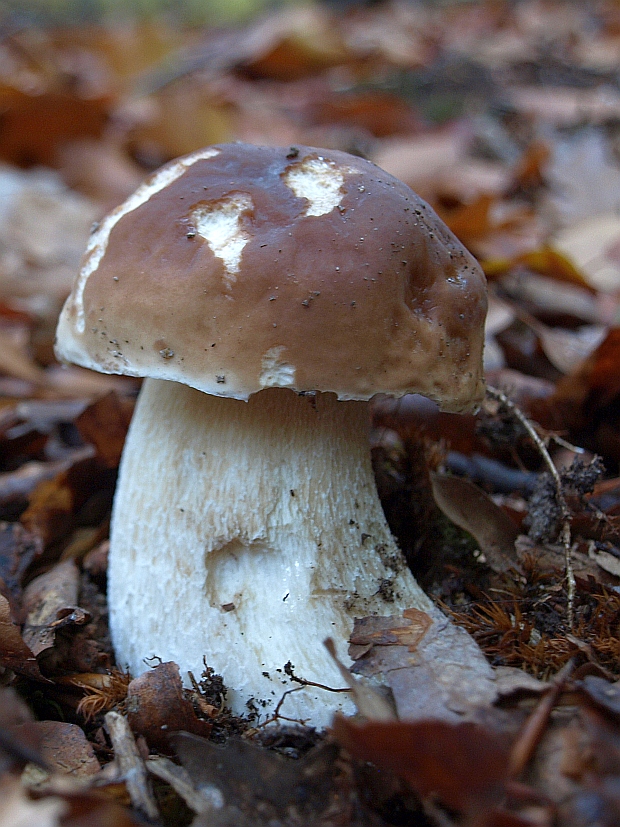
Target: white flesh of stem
[(245, 533)]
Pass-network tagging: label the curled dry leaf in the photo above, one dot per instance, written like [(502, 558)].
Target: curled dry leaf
[(433, 668), (407, 630), (602, 693), (15, 654), (50, 603), (471, 509), (157, 707)]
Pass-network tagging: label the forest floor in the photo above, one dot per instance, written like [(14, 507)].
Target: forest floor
[(505, 117)]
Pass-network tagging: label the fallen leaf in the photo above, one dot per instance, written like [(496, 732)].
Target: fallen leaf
[(18, 549), (15, 361), (564, 106), (264, 785), (49, 515), (473, 510), (407, 630), (463, 765), (50, 604), (419, 160), (369, 701), (556, 262), (64, 749), (19, 740), (445, 677), (593, 245), (583, 180), (293, 43), (105, 424), (15, 654), (602, 693), (23, 142), (157, 707), (567, 349)]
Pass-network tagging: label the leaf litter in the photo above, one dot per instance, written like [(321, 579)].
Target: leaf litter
[(505, 117)]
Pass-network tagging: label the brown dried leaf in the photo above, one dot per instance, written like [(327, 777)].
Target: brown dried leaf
[(19, 741), (265, 785), (464, 765), (407, 630), (36, 126), (471, 509), (379, 113), (16, 361), (14, 652), (50, 604), (447, 678), (64, 748), (156, 707), (293, 43), (18, 549), (602, 693), (50, 511), (105, 424)]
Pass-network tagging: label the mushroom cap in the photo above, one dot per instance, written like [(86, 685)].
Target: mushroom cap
[(241, 267)]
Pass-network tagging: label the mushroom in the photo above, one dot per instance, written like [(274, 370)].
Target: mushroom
[(267, 294)]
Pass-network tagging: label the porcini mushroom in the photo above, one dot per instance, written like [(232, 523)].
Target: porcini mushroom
[(267, 294)]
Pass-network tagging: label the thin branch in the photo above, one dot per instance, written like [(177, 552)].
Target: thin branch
[(131, 765), (565, 532)]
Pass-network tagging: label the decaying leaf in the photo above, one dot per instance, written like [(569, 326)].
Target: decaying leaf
[(240, 780), (50, 603), (157, 707), (18, 549), (19, 739), (15, 654), (471, 509), (407, 630), (602, 693), (64, 749), (104, 424), (432, 667), (464, 765)]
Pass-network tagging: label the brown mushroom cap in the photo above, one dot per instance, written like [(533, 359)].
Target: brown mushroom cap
[(242, 267)]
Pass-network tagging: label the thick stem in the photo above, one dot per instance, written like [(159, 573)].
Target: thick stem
[(245, 533)]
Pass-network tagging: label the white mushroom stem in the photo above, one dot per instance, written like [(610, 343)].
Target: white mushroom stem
[(244, 534)]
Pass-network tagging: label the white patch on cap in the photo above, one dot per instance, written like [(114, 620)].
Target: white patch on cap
[(220, 226), (276, 373), (319, 181), (98, 241)]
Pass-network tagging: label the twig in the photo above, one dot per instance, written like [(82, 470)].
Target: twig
[(565, 532), (131, 765), (532, 731), (202, 801)]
